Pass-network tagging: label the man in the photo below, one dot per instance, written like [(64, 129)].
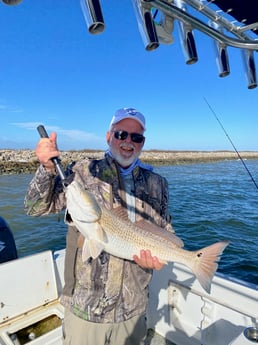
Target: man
[(105, 298)]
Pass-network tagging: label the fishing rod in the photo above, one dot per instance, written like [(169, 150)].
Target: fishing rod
[(241, 159), (56, 160)]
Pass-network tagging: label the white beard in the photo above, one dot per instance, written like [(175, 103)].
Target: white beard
[(123, 161)]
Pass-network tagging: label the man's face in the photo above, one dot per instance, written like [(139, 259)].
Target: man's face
[(125, 150)]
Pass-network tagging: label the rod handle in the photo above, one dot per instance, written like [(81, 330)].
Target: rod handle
[(56, 160)]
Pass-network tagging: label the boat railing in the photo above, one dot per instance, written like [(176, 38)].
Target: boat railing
[(244, 37)]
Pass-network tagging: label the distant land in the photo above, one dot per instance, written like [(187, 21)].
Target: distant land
[(25, 161)]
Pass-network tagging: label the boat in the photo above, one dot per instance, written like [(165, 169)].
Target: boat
[(179, 312)]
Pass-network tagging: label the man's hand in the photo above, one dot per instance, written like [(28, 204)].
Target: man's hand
[(147, 261), (47, 149)]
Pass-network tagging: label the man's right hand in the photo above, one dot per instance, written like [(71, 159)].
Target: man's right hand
[(47, 149)]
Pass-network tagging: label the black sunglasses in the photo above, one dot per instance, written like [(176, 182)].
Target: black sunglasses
[(135, 137)]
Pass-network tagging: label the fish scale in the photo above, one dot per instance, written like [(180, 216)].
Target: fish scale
[(126, 239)]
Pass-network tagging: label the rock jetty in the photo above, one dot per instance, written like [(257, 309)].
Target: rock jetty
[(26, 162)]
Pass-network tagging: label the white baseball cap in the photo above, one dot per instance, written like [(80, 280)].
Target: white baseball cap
[(128, 113)]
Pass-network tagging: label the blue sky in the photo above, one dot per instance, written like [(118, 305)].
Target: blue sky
[(53, 72)]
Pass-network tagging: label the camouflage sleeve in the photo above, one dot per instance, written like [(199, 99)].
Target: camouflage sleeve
[(45, 194)]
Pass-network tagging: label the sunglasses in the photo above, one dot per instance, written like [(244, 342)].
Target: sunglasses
[(135, 137)]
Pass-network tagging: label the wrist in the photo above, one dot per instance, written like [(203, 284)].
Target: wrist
[(50, 170)]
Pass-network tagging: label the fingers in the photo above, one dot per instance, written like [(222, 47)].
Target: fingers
[(52, 137), (146, 260), (47, 149)]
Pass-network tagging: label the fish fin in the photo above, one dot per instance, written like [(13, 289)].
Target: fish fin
[(120, 212), (100, 233), (206, 263), (95, 248), (160, 232), (85, 251), (91, 249), (91, 230)]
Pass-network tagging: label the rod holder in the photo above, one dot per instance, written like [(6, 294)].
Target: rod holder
[(187, 38), (146, 25), (222, 59), (221, 53), (93, 16), (249, 66), (11, 2)]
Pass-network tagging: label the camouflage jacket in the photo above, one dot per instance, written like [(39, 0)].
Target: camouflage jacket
[(106, 289)]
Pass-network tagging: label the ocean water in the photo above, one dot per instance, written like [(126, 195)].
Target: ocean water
[(208, 202)]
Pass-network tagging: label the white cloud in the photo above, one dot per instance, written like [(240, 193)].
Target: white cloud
[(26, 125), (9, 108), (76, 134), (68, 138)]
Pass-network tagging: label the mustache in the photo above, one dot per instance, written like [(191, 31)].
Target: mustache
[(127, 145)]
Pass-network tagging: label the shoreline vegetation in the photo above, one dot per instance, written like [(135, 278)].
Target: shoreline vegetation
[(25, 161)]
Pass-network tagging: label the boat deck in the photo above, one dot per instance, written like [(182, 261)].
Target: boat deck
[(156, 339)]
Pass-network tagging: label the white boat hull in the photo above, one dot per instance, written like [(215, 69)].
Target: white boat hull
[(179, 310), (182, 312)]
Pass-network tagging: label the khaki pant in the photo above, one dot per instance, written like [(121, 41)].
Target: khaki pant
[(80, 332)]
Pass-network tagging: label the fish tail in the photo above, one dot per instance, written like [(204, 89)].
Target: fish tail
[(205, 263)]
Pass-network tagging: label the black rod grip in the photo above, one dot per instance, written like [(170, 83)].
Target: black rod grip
[(42, 131), (43, 134)]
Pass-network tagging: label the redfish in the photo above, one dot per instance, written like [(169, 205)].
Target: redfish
[(109, 231)]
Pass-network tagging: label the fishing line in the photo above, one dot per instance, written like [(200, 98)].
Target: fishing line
[(241, 159)]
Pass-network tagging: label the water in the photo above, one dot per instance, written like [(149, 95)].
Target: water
[(218, 201), (208, 202), (32, 234)]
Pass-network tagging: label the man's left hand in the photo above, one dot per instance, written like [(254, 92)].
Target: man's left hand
[(147, 261)]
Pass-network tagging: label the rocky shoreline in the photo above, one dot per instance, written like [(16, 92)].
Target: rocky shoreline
[(25, 161)]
